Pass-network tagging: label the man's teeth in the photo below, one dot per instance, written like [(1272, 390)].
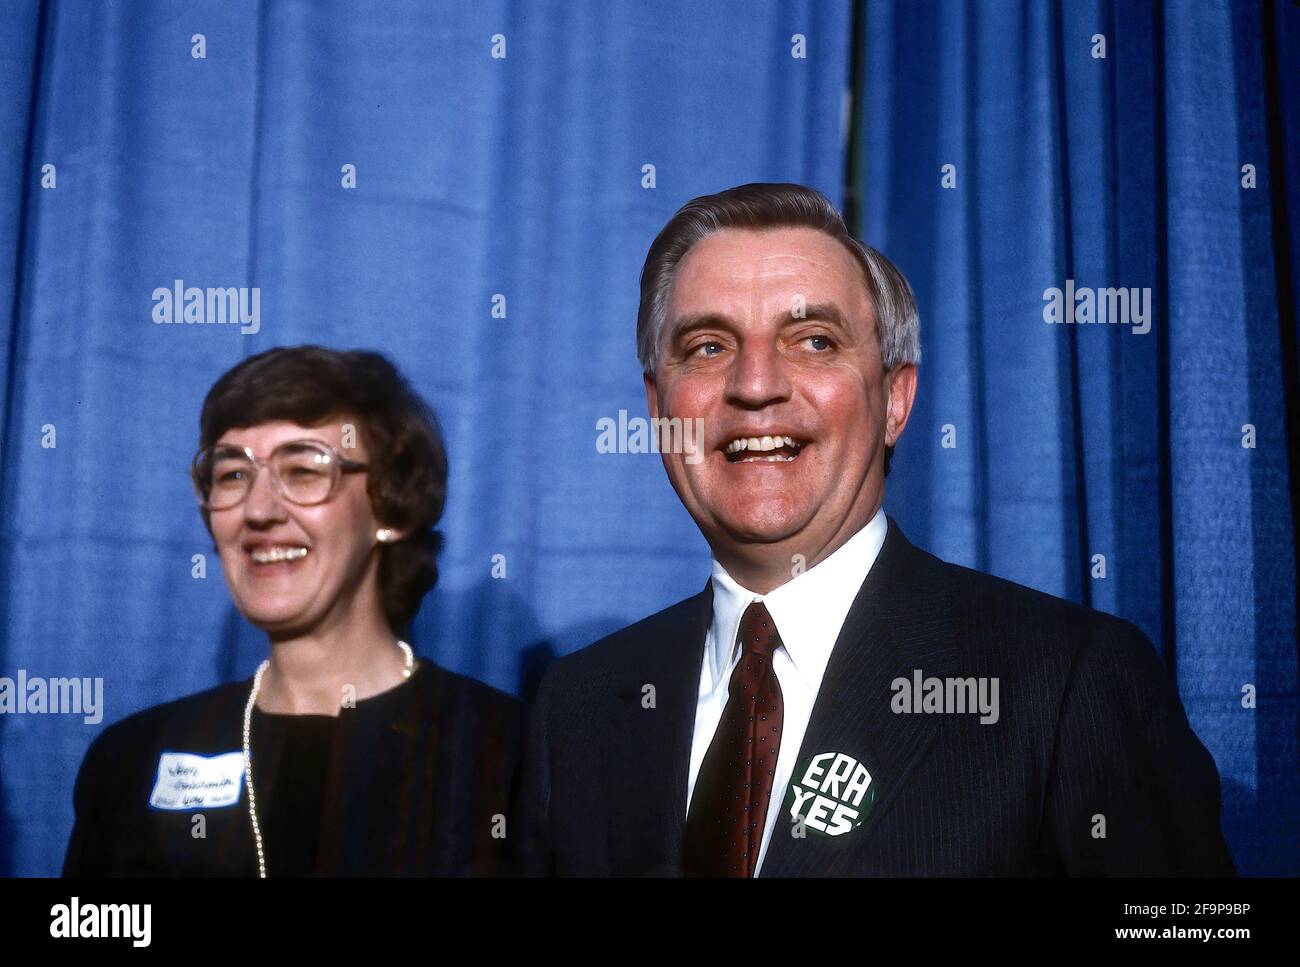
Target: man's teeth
[(271, 555), (761, 444)]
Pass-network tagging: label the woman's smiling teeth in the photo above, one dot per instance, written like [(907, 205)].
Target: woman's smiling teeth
[(273, 555), (765, 449)]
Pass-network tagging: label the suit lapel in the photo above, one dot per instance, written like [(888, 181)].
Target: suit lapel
[(897, 623), (648, 749)]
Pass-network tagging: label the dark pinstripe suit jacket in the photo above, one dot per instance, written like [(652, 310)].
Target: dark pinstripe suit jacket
[(1090, 769)]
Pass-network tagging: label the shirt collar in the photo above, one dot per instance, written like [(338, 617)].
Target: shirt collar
[(809, 609)]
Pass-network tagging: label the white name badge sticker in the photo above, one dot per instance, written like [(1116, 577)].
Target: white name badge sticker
[(187, 780)]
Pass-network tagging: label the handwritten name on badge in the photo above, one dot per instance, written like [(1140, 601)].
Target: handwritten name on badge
[(187, 780), (833, 794)]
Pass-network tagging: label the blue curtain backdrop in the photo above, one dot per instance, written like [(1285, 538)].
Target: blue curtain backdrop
[(525, 177), (476, 176), (1034, 446)]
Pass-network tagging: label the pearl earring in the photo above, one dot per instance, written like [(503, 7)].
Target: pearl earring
[(384, 535)]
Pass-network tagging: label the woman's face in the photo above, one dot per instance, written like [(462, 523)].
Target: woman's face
[(262, 540)]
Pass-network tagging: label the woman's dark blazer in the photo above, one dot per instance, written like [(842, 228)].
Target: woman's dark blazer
[(418, 783)]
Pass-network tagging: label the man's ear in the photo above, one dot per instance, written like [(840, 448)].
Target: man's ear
[(902, 392), (651, 395)]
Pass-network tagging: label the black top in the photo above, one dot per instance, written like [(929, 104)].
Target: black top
[(414, 781), (291, 756)]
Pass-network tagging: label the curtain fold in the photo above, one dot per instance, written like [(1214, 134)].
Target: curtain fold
[(1047, 451)]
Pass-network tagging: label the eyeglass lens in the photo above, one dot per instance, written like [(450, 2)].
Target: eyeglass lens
[(306, 473)]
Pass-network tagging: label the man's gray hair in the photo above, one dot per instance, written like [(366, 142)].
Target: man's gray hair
[(765, 206)]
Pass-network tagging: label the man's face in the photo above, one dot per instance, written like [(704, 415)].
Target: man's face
[(338, 571), (771, 338)]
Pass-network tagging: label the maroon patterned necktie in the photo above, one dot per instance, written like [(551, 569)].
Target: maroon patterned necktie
[(724, 826)]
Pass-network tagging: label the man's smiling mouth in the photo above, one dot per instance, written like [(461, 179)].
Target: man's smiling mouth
[(763, 449)]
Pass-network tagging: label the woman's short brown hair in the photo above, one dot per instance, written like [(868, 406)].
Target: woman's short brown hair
[(407, 479)]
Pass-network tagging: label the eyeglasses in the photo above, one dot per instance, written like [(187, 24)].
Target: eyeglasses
[(305, 472)]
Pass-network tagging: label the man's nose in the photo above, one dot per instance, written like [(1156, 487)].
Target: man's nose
[(759, 377), (264, 505)]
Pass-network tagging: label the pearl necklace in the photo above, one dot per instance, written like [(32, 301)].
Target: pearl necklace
[(248, 755)]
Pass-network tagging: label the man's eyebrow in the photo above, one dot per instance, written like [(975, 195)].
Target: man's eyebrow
[(694, 321), (822, 312)]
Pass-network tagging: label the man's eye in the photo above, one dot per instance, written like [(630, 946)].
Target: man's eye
[(819, 343), (708, 348)]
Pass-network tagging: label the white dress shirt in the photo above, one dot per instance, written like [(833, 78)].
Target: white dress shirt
[(809, 611)]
